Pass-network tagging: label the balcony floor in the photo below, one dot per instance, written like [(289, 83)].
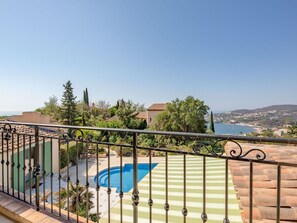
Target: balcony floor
[(22, 212), (5, 220)]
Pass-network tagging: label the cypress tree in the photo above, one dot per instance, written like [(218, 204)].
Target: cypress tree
[(87, 98), (68, 105), (118, 104), (211, 125), (84, 97)]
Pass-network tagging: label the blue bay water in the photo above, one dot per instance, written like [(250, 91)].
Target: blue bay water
[(232, 129), (9, 113)]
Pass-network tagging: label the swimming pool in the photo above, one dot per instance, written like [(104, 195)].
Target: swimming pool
[(143, 170)]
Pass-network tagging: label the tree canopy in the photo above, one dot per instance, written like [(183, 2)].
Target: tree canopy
[(127, 112), (50, 108), (86, 98), (68, 105), (183, 116)]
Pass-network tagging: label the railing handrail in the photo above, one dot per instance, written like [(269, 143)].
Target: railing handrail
[(168, 133)]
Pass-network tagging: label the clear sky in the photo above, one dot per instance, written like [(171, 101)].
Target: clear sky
[(232, 54)]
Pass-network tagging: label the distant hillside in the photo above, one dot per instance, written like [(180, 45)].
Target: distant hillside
[(289, 108)]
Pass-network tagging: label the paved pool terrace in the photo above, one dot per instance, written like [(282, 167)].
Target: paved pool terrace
[(215, 190), (215, 175)]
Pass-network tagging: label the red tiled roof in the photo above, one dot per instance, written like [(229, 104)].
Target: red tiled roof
[(113, 118), (142, 115), (157, 107), (23, 134), (265, 183)]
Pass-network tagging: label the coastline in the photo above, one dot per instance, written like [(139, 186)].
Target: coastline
[(233, 129), (258, 129)]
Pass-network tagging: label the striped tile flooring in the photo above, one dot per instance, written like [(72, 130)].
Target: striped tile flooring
[(215, 198)]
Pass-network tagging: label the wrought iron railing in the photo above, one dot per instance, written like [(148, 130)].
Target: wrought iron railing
[(34, 158)]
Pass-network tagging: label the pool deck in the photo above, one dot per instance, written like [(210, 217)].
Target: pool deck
[(105, 202), (114, 161), (215, 175), (102, 202)]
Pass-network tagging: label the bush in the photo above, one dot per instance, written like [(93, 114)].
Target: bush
[(72, 153)]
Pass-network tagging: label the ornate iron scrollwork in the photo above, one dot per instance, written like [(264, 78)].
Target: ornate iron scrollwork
[(8, 131), (204, 217), (209, 147), (215, 149), (89, 138), (226, 220), (184, 211), (74, 134), (36, 171), (150, 202), (135, 199), (166, 207)]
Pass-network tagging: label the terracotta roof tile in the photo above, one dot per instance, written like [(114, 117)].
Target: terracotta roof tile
[(288, 184), (261, 177), (286, 214), (265, 182), (256, 213), (292, 201), (273, 221), (24, 133), (269, 201), (157, 107), (142, 115), (243, 192), (289, 192)]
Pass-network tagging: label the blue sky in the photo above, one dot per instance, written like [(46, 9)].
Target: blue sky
[(231, 54)]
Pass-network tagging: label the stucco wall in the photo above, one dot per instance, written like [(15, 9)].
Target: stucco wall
[(151, 116), (20, 173), (32, 117)]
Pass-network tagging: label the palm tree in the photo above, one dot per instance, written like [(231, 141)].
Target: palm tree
[(78, 196), (292, 131)]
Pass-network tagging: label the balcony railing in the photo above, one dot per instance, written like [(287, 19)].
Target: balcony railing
[(56, 168)]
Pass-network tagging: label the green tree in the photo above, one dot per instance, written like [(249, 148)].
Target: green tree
[(183, 116), (112, 110), (127, 112), (68, 105), (211, 123), (79, 198), (86, 99), (292, 131), (50, 108), (267, 133), (101, 109)]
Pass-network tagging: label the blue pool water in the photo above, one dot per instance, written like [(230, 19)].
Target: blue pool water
[(102, 176)]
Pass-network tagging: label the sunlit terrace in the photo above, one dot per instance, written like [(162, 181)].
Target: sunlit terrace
[(55, 173)]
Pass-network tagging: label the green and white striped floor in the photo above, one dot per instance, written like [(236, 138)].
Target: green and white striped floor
[(215, 193)]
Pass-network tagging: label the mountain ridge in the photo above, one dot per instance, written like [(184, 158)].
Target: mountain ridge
[(284, 107)]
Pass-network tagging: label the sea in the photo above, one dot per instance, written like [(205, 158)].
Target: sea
[(232, 129), (8, 113)]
